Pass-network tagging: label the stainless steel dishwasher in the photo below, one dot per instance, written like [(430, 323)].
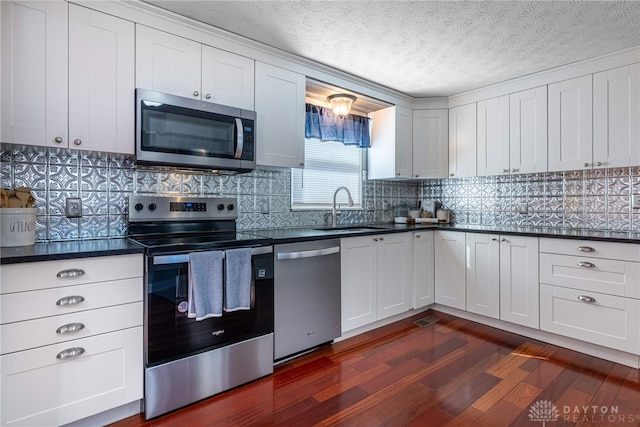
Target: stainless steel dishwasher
[(307, 295)]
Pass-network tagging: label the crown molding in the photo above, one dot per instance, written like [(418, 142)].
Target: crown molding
[(553, 75), (163, 20)]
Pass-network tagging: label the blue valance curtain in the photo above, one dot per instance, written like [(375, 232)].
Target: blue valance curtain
[(322, 124)]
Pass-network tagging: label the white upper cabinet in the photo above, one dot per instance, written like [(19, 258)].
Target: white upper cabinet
[(227, 78), (616, 112), (101, 81), (167, 63), (34, 73), (280, 96), (462, 141), (528, 131), (570, 124), (493, 136), (178, 66), (390, 155), (430, 143)]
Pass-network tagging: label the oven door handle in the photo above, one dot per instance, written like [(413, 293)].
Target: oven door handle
[(182, 258), (239, 139)]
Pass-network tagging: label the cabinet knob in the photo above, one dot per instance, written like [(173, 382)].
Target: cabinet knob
[(70, 352), (397, 173), (514, 170), (417, 236), (208, 96), (586, 249), (586, 165), (381, 239), (77, 141), (301, 163), (416, 175), (375, 239), (196, 93), (58, 139), (505, 170), (494, 239), (503, 240), (451, 174), (586, 298), (598, 163)]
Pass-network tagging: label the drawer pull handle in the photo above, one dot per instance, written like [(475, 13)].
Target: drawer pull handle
[(72, 272), (70, 352), (586, 298), (70, 327), (75, 299), (586, 264), (586, 249)]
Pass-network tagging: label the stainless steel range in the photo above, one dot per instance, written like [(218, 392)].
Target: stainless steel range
[(194, 257)]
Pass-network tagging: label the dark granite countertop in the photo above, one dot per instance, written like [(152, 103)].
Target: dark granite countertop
[(106, 247), (68, 249)]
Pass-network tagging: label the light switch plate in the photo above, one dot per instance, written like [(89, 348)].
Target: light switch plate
[(73, 208)]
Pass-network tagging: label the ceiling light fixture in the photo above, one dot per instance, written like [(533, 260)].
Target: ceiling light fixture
[(341, 103)]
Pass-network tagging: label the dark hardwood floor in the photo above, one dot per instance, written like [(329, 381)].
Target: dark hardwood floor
[(451, 373)]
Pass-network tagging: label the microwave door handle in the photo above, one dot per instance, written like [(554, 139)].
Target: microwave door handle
[(239, 139)]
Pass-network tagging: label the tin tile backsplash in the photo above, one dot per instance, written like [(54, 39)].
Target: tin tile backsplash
[(595, 199)]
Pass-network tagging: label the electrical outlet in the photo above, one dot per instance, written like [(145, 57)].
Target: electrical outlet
[(73, 208), (635, 201)]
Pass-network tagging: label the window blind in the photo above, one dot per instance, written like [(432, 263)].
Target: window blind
[(328, 165)]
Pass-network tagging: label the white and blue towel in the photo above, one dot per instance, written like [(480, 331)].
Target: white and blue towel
[(205, 285), (238, 275)]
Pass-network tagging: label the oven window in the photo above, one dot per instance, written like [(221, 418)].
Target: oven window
[(171, 129)]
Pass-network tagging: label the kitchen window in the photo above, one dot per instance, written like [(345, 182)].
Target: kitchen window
[(328, 165)]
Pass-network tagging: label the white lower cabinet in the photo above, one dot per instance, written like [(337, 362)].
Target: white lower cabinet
[(423, 268), (376, 278), (483, 274), (607, 320), (590, 291), (519, 286), (502, 277), (71, 338), (450, 275)]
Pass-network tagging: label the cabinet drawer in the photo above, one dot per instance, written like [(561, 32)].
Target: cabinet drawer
[(605, 276), (610, 321), (40, 389), (40, 332), (591, 249), (35, 304), (43, 275)]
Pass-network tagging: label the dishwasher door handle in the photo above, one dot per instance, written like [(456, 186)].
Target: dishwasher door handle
[(307, 254)]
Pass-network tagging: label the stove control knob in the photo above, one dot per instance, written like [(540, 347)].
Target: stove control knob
[(138, 207), (152, 207), (230, 206), (220, 207)]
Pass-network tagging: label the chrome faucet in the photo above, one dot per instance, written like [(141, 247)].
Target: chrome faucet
[(334, 213)]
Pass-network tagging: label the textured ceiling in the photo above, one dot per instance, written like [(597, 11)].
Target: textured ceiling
[(429, 48)]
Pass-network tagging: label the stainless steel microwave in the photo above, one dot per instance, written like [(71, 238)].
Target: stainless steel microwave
[(182, 132)]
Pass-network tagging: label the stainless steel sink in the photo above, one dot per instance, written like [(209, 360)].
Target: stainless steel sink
[(351, 228)]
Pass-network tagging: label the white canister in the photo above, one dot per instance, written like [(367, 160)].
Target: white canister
[(415, 213), (443, 216), (17, 226)]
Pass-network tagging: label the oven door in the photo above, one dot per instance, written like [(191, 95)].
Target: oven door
[(170, 334)]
